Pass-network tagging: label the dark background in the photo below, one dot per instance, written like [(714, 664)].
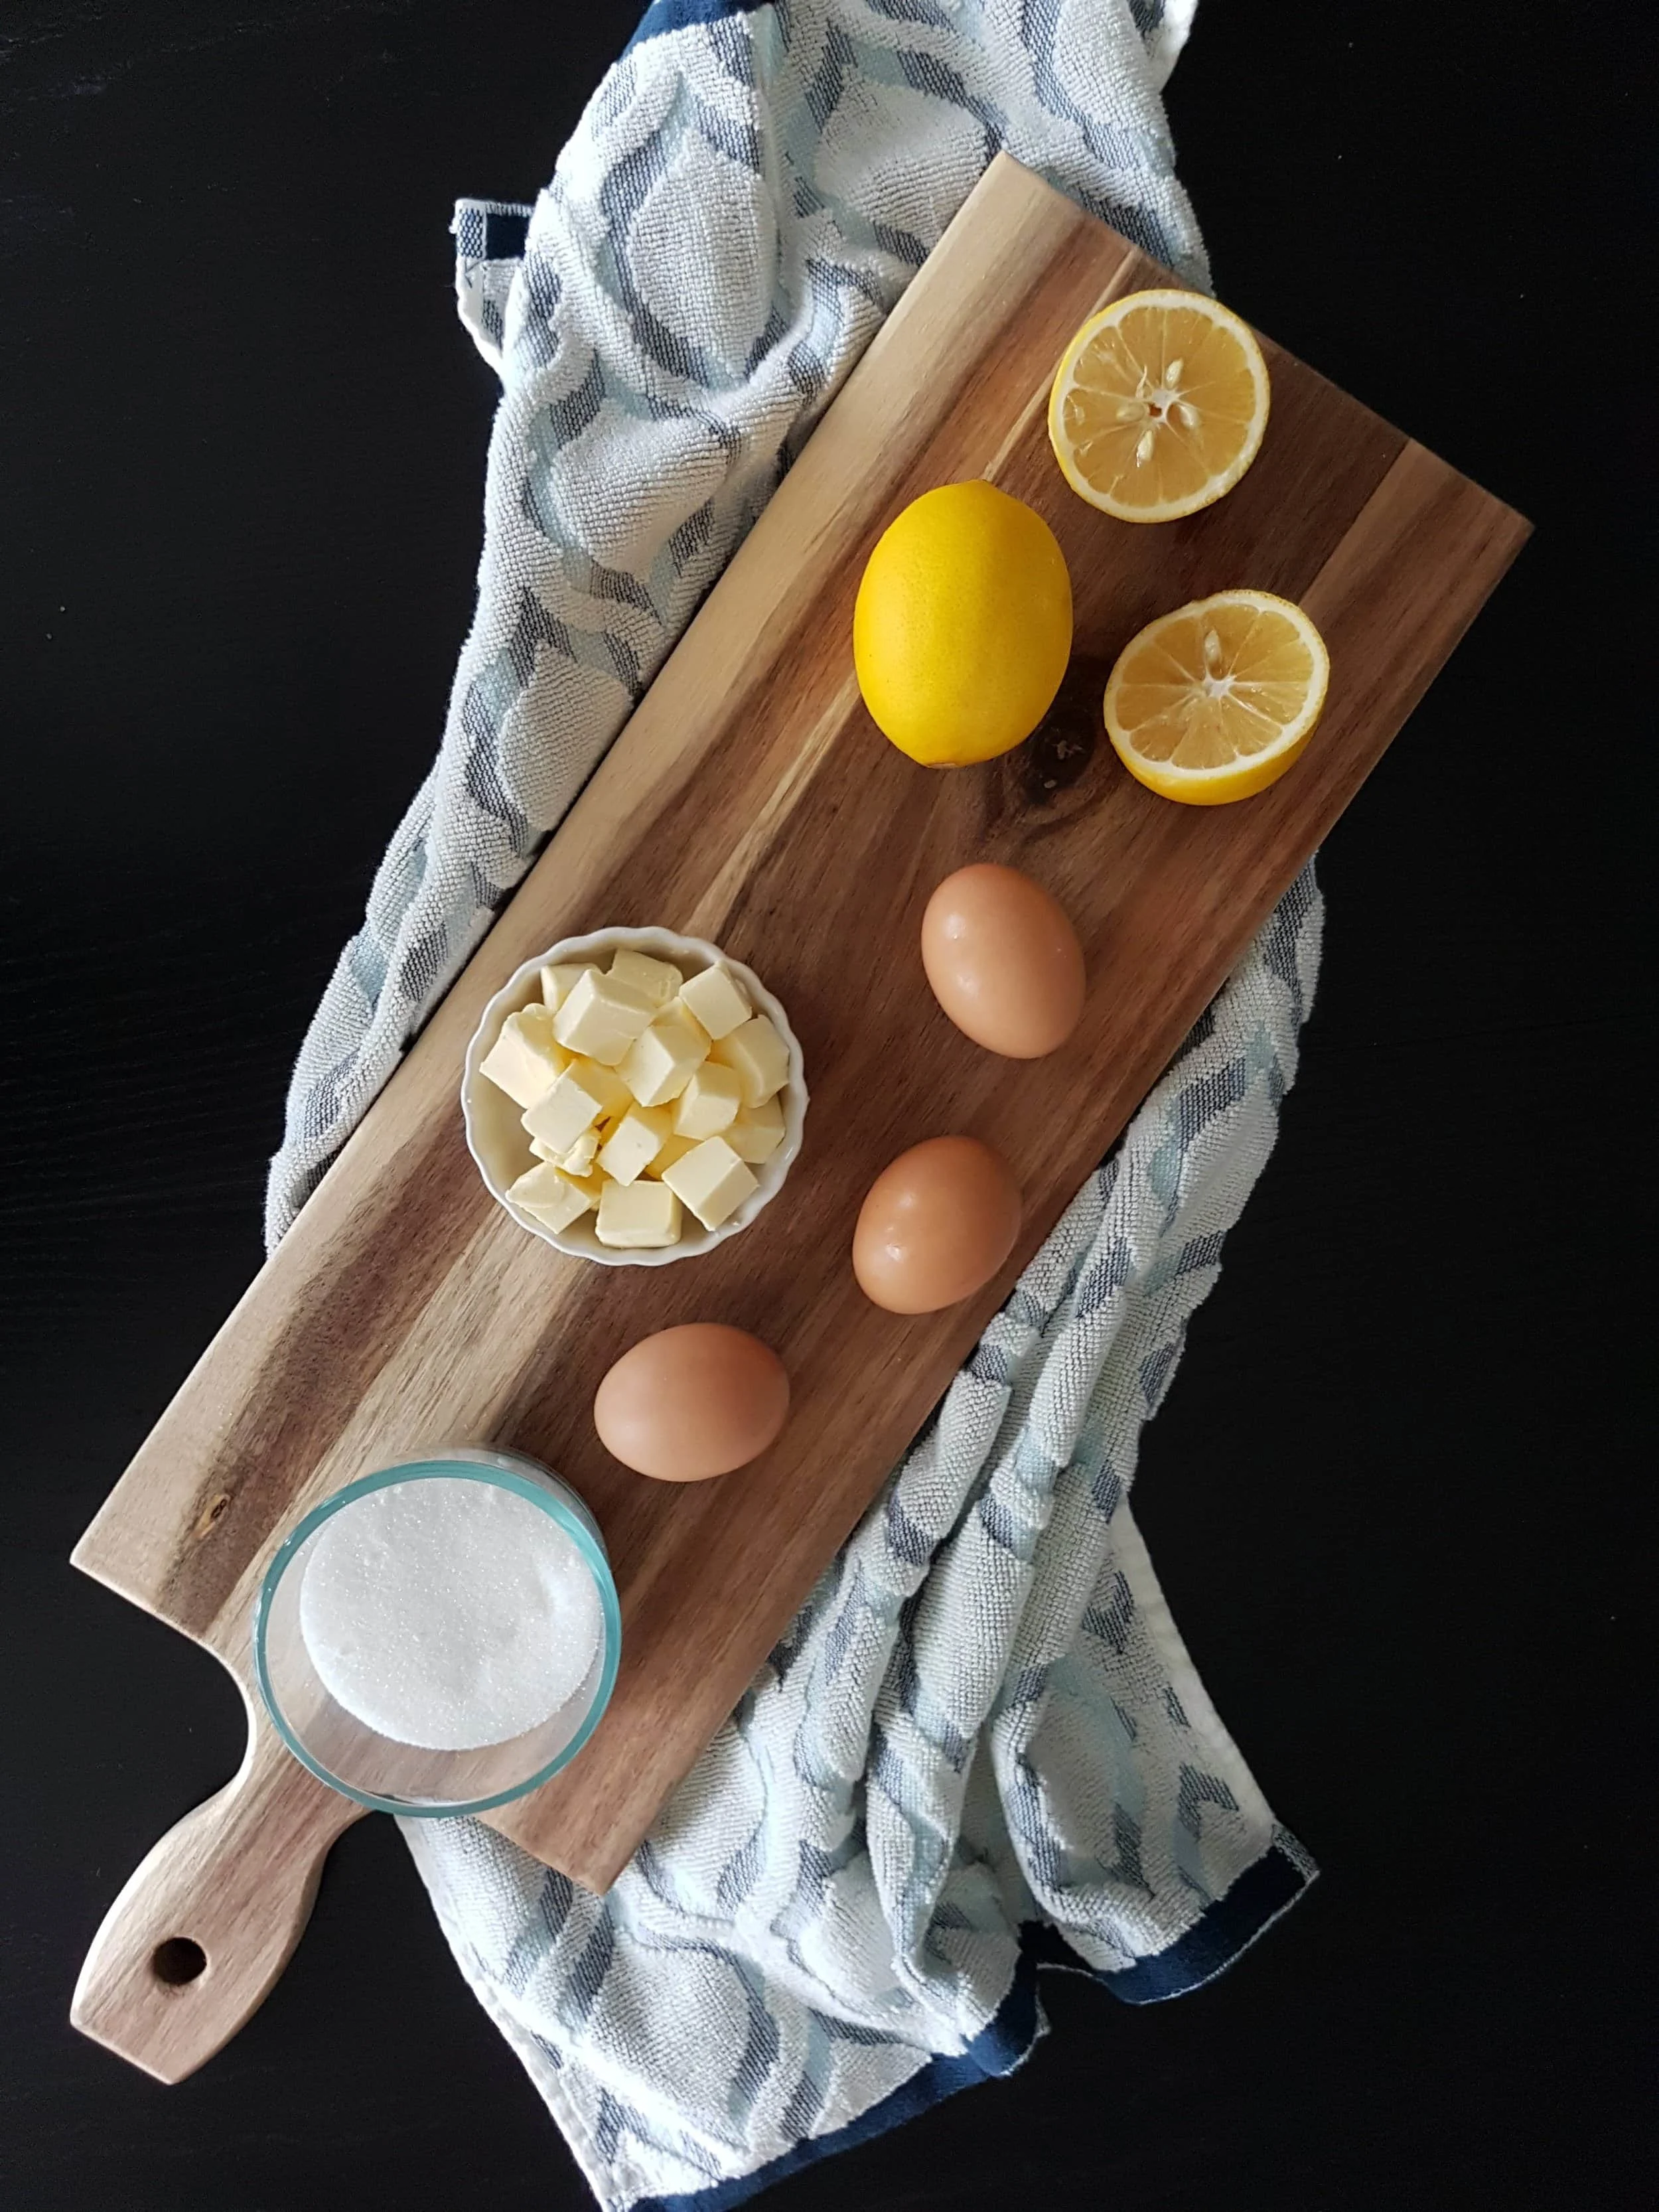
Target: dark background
[(1393, 1496)]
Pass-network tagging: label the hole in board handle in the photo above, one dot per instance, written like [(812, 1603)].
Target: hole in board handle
[(178, 1961)]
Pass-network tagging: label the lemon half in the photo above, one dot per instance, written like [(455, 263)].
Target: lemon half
[(1159, 406), (1214, 702)]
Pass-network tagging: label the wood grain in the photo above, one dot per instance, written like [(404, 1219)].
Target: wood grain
[(190, 1949), (751, 800)]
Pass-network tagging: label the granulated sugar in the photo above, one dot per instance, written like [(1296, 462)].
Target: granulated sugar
[(448, 1613)]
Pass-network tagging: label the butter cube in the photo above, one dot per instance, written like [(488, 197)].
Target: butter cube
[(757, 1131), (636, 1215), (758, 1056), (601, 1018), (578, 1160), (560, 980), (660, 1063), (607, 1086), (674, 1148), (525, 1058), (634, 1143), (656, 980), (709, 1102), (711, 1180), (554, 1198), (559, 1118), (718, 1000)]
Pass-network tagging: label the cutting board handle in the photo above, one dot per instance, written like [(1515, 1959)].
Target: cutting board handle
[(193, 1945)]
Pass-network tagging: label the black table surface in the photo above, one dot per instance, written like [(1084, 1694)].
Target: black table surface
[(1393, 1496)]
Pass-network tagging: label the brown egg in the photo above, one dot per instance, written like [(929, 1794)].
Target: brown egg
[(935, 1226), (692, 1401), (1003, 961)]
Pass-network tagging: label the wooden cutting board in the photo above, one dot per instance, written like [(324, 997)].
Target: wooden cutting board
[(751, 800)]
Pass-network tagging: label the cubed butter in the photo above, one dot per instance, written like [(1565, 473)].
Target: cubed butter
[(634, 1143), (718, 1000), (674, 1148), (709, 1102), (634, 1216), (711, 1180), (578, 1160), (757, 1131), (527, 1058), (653, 979), (758, 1057), (601, 1018), (607, 1086), (561, 1116), (560, 979), (660, 1062), (554, 1198)]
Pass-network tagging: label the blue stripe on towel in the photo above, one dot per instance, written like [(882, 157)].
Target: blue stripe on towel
[(504, 236), (1232, 1924), (676, 15)]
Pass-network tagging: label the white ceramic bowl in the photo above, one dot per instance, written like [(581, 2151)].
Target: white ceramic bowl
[(494, 1132)]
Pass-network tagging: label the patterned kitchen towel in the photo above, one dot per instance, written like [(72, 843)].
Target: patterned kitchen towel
[(981, 1746)]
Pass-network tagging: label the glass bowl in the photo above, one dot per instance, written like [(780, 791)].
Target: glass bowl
[(379, 1772), (494, 1133)]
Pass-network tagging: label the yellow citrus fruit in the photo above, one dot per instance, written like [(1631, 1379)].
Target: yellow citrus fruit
[(1214, 702), (962, 625), (1159, 406)]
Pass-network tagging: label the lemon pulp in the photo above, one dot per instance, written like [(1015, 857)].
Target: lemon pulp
[(1159, 406), (1214, 702)]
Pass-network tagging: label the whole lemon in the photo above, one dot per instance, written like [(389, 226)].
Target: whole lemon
[(962, 625)]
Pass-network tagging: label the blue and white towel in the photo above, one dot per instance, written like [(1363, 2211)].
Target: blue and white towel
[(982, 1743)]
